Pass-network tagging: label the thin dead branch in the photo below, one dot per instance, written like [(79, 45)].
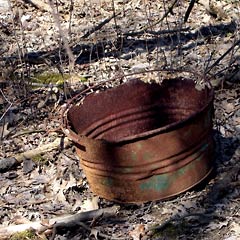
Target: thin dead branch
[(190, 7), (162, 32), (9, 163), (62, 35), (170, 10), (85, 226), (223, 56), (59, 222), (100, 25)]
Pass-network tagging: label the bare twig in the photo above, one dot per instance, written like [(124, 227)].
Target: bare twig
[(10, 105), (146, 28), (77, 219), (100, 25), (62, 35), (70, 17), (223, 56), (59, 222), (170, 9), (8, 163), (28, 132), (20, 41), (115, 19), (190, 7), (170, 31), (85, 226)]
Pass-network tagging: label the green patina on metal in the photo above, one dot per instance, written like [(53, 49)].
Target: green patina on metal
[(134, 156), (126, 170), (204, 147), (156, 183), (198, 159), (182, 171), (107, 181), (163, 181), (188, 167), (139, 145), (147, 156)]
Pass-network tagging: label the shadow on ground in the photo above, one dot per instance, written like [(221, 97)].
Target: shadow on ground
[(125, 46), (220, 193)]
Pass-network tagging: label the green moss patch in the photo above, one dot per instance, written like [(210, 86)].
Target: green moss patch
[(39, 159), (50, 77), (25, 235)]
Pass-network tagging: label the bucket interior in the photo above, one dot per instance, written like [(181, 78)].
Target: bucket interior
[(136, 107)]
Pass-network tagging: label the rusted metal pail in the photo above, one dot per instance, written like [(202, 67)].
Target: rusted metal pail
[(139, 142)]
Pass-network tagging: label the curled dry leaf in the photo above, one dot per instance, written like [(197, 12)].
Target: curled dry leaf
[(235, 227), (19, 220), (90, 204), (138, 232)]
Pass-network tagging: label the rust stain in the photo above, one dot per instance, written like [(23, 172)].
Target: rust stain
[(140, 142)]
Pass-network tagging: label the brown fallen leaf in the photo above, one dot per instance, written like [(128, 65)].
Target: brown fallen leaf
[(19, 220), (138, 232)]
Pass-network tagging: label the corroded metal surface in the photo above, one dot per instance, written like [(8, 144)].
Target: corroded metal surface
[(140, 142)]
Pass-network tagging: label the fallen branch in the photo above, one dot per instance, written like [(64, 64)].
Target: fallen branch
[(98, 233), (190, 7), (45, 57), (100, 25), (11, 162), (143, 30), (161, 32), (59, 222), (237, 43), (28, 132), (170, 10)]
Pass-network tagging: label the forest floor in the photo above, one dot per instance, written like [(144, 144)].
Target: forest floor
[(104, 39)]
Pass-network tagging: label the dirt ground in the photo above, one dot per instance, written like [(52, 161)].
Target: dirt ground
[(47, 58)]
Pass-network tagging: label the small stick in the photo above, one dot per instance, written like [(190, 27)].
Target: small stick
[(9, 163), (83, 225), (62, 35), (63, 221), (170, 9), (100, 25), (223, 56), (156, 32), (190, 7)]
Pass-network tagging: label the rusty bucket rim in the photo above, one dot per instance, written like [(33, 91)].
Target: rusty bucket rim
[(76, 137)]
